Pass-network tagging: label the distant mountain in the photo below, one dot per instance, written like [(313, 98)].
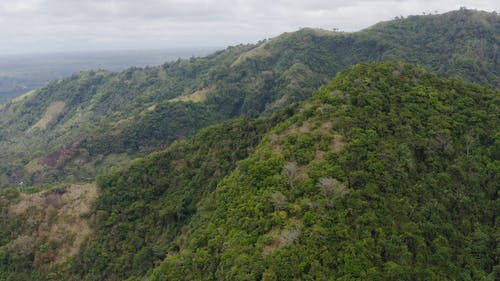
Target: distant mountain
[(87, 122)]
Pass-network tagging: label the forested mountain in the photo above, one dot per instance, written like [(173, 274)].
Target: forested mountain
[(74, 128), (389, 172), (192, 170)]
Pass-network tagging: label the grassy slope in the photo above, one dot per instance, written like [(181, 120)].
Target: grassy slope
[(44, 228)]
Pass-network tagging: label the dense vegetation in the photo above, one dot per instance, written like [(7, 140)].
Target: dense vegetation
[(94, 119), (386, 173), (444, 45), (142, 208), (140, 224)]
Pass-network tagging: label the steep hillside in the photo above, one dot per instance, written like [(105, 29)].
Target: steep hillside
[(75, 128), (387, 173), (133, 224), (144, 207)]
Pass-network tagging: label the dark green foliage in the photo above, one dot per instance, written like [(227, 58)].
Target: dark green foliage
[(415, 197), (142, 208), (472, 58), (161, 126)]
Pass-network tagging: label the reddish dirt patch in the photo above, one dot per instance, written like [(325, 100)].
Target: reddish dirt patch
[(60, 155)]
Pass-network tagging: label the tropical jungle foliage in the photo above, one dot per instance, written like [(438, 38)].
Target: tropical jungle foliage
[(389, 172)]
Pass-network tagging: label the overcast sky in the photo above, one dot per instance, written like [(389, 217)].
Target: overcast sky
[(70, 25)]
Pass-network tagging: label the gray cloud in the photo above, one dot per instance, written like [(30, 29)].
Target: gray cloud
[(65, 25)]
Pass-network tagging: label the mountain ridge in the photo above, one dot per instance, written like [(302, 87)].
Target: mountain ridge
[(351, 164), (237, 81)]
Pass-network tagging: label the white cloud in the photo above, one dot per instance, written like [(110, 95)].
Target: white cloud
[(58, 25)]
